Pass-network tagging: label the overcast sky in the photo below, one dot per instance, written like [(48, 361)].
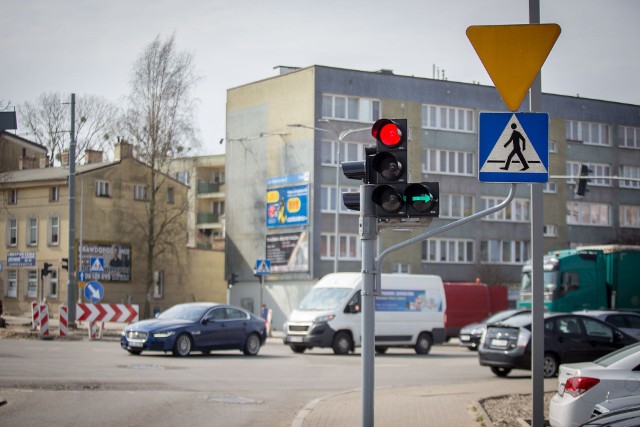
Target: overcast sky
[(89, 46)]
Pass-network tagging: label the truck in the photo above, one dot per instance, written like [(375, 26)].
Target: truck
[(471, 302), (409, 312), (588, 278)]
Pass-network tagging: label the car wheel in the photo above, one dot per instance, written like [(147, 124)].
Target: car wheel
[(135, 352), (342, 343), (500, 371), (381, 350), (298, 348), (182, 346), (252, 345), (550, 368), (423, 345)]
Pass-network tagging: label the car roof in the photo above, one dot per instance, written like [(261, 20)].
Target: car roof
[(604, 312)]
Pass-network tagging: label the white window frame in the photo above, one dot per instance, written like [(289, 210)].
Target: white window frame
[(350, 247), (11, 290), (592, 214), (140, 192), (629, 137), (550, 187), (589, 133), (328, 198), (442, 117), (12, 232), (171, 197), (517, 211), (103, 189), (327, 246), (31, 284), (595, 169), (53, 284), (54, 194), (401, 268), (550, 230), (456, 205), (32, 231), (53, 231), (448, 251), (448, 162), (627, 171), (13, 196), (350, 108), (510, 252), (630, 216)]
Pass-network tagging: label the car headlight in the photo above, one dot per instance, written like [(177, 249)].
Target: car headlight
[(326, 318), (164, 334), (123, 333)]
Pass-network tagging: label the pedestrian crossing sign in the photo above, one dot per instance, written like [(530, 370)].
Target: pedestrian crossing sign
[(97, 265), (263, 266), (513, 147)]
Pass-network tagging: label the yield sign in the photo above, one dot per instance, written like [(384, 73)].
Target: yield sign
[(513, 55)]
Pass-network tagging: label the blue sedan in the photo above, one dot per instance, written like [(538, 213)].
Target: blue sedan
[(199, 326)]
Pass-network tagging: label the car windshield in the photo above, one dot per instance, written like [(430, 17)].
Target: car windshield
[(322, 299), (617, 355), (184, 312)]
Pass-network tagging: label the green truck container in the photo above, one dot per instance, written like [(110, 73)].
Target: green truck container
[(588, 277)]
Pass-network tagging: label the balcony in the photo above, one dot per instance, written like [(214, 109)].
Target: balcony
[(209, 187), (208, 218)]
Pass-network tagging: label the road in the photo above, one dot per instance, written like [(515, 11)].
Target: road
[(79, 383)]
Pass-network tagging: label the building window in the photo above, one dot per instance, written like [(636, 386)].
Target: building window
[(553, 146), (550, 187), (32, 231), (170, 196), (453, 251), (53, 284), (32, 284), (448, 118), (140, 192), (630, 216), (629, 137), (218, 177), (448, 162), (587, 132), (218, 208), (102, 189), (158, 284), (504, 251), (550, 230), (595, 170), (13, 196), (182, 177), (630, 172), (455, 205), (350, 108), (12, 284), (12, 232), (327, 198), (54, 194), (349, 151), (516, 211), (400, 268), (54, 231), (579, 213), (327, 246), (349, 246), (343, 208)]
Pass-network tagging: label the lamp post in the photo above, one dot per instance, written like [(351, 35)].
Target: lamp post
[(339, 137)]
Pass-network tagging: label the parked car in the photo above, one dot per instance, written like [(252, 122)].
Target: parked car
[(196, 326), (583, 385), (470, 334), (626, 417), (626, 321), (568, 338), (612, 405)]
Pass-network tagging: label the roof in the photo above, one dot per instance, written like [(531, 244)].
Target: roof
[(49, 174), (23, 141)]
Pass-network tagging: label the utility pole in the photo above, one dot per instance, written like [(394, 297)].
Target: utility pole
[(71, 282)]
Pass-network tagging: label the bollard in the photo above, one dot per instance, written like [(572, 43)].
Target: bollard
[(44, 321), (35, 315), (64, 316)]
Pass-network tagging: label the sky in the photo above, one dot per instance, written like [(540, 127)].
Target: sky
[(88, 47)]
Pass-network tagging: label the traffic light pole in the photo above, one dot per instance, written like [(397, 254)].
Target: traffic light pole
[(371, 268)]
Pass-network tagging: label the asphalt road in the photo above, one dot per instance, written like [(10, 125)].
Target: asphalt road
[(80, 383)]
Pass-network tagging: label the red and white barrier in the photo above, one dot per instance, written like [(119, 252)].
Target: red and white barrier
[(119, 313), (44, 320), (35, 315), (64, 321)]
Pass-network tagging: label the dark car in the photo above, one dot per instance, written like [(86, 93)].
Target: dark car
[(470, 334), (199, 326), (624, 417), (568, 338), (626, 321)]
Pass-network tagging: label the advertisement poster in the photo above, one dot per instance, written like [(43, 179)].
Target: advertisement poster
[(105, 262), (288, 206), (21, 259), (288, 252), (406, 300)]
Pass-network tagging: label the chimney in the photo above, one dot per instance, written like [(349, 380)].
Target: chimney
[(64, 158), (44, 161), (27, 163), (92, 156), (123, 150)]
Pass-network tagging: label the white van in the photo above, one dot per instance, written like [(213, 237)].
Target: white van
[(409, 313)]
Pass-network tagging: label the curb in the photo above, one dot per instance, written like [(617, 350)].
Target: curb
[(298, 421)]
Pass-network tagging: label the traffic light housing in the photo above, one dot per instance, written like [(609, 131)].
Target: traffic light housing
[(423, 199), (581, 188), (45, 269), (388, 167), (233, 279), (357, 169), (65, 264)]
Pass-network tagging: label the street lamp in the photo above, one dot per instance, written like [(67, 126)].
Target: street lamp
[(339, 137)]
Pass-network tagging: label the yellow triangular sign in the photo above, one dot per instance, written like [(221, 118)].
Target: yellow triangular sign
[(513, 55)]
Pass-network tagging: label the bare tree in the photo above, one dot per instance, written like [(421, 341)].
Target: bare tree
[(160, 123), (48, 121)]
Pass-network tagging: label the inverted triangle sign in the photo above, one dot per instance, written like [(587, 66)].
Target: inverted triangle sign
[(513, 55)]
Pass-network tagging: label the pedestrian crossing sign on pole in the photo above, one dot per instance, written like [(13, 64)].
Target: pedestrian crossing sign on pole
[(263, 266), (513, 147), (97, 265)]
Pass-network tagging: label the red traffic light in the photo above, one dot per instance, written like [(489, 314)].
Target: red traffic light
[(387, 132)]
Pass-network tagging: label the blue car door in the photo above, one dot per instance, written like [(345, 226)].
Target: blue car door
[(237, 324), (213, 331)]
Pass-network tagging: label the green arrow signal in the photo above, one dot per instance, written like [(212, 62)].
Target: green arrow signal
[(423, 198)]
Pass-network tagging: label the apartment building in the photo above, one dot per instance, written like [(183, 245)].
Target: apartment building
[(286, 137)]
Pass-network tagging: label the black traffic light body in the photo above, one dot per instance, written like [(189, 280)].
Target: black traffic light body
[(65, 264), (358, 169), (581, 188), (233, 279), (388, 167), (45, 269), (423, 199)]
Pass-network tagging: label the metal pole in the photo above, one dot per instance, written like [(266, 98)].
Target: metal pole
[(336, 226), (369, 236), (537, 257), (71, 284)]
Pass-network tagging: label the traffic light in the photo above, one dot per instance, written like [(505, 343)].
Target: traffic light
[(423, 199), (233, 279), (65, 264), (388, 167), (45, 269), (357, 169), (581, 188)]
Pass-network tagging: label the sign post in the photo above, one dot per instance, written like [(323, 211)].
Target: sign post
[(263, 267)]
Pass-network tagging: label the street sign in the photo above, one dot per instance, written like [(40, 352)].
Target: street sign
[(97, 265), (513, 147), (93, 291), (263, 266), (513, 55), (82, 276)]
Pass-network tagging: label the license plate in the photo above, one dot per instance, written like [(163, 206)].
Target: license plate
[(136, 344), (465, 338), (499, 343), (295, 339)]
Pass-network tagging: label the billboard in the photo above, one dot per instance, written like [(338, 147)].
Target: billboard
[(288, 206), (105, 262), (288, 252)]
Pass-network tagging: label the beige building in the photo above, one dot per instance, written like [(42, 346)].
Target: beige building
[(110, 229), (17, 152)]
